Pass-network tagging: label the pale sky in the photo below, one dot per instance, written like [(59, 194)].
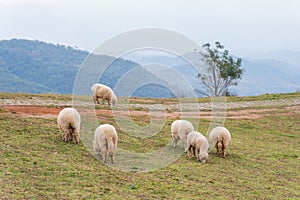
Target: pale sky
[(245, 27)]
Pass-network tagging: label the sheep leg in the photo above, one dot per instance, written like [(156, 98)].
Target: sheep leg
[(223, 149), (194, 151), (70, 135), (111, 157), (63, 136), (217, 150), (65, 133), (97, 148), (198, 153), (111, 148), (67, 136), (224, 152), (74, 134), (184, 144), (103, 149), (104, 156), (174, 141), (188, 150), (95, 99)]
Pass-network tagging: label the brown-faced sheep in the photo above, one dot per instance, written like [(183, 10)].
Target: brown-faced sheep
[(68, 121), (180, 130), (220, 138), (106, 140), (104, 92), (198, 145)]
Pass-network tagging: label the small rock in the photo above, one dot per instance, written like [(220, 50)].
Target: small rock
[(132, 186)]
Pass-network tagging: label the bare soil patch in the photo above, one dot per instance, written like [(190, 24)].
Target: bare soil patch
[(52, 112), (32, 111)]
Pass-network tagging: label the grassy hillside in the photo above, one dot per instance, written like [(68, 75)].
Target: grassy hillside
[(38, 67), (263, 162), (29, 66)]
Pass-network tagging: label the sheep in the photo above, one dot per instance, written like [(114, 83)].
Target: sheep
[(68, 121), (106, 139), (179, 131), (104, 92), (197, 143), (220, 138)]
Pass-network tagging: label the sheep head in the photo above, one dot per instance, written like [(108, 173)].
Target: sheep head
[(76, 137), (114, 100), (203, 157)]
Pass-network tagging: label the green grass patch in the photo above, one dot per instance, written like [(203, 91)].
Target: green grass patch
[(262, 163), (264, 97)]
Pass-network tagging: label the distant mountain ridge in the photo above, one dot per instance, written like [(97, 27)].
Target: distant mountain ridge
[(278, 73), (38, 67), (268, 76)]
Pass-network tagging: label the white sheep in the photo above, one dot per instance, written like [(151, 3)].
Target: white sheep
[(220, 138), (68, 121), (197, 143), (180, 130), (106, 140), (104, 92)]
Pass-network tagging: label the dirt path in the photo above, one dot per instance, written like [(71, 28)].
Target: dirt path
[(229, 105), (246, 110)]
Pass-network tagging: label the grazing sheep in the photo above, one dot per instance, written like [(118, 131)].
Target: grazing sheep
[(106, 139), (180, 130), (68, 121), (104, 92), (197, 143), (220, 138)]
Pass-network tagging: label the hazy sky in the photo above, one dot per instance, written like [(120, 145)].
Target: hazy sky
[(245, 27)]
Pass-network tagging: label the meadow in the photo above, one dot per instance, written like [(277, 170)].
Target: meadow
[(262, 163)]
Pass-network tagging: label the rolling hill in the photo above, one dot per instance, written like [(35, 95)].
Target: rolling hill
[(38, 67), (28, 66), (278, 73)]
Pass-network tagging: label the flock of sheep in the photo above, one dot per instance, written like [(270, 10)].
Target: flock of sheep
[(196, 144), (106, 137)]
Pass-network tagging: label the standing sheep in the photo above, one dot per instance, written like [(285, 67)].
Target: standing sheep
[(197, 143), (220, 138), (104, 92), (106, 139), (68, 121), (180, 130)]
